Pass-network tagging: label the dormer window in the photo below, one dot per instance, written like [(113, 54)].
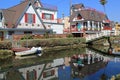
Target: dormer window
[(92, 14), (79, 16)]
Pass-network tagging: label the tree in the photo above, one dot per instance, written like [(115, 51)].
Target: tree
[(103, 2)]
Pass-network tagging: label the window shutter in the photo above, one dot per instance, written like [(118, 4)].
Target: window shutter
[(34, 18), (42, 15), (26, 17), (52, 17)]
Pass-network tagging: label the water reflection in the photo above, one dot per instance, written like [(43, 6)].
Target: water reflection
[(88, 65)]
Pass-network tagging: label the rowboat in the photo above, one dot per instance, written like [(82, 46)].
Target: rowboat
[(33, 50)]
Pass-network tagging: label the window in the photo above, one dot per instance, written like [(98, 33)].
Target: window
[(79, 16), (92, 14), (106, 24), (0, 16), (27, 32), (47, 16), (10, 32), (29, 18), (48, 73)]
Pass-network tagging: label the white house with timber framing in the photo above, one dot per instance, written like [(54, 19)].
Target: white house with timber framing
[(85, 20), (29, 17)]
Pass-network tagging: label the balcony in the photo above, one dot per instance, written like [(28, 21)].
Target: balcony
[(107, 28)]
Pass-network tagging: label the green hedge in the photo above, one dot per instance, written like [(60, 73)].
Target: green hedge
[(51, 42), (5, 45), (4, 54)]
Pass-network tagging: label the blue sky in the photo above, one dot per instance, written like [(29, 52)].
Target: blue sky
[(112, 6)]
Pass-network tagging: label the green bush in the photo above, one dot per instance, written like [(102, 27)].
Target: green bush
[(5, 45), (52, 42), (27, 37), (70, 35), (4, 54)]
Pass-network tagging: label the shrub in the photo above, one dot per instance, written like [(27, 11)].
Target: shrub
[(4, 54), (52, 42), (69, 35), (5, 45), (27, 37)]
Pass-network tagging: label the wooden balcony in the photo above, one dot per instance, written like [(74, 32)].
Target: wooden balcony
[(107, 28)]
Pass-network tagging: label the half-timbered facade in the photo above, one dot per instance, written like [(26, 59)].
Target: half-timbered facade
[(87, 20), (29, 17)]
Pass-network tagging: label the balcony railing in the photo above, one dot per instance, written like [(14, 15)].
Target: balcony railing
[(107, 28)]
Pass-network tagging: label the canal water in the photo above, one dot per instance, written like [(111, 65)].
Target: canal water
[(93, 63)]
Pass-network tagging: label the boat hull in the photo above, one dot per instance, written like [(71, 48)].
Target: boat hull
[(29, 52)]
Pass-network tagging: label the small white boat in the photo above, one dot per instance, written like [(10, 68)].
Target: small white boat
[(33, 50)]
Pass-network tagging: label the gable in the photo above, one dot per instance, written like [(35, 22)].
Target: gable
[(14, 15), (77, 17), (37, 4), (31, 14)]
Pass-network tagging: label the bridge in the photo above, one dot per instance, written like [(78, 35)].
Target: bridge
[(93, 37)]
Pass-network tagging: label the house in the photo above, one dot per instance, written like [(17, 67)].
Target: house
[(85, 20), (66, 24), (29, 17), (117, 28), (48, 14)]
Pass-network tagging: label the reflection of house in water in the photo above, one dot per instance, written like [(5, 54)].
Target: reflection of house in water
[(25, 73), (88, 69), (2, 76), (58, 69), (86, 64), (51, 69), (35, 72), (116, 49)]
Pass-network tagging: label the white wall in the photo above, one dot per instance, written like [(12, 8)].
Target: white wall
[(1, 25), (57, 28), (31, 10), (38, 68)]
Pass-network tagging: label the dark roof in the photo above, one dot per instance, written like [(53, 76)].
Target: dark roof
[(77, 6), (88, 14), (12, 14)]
